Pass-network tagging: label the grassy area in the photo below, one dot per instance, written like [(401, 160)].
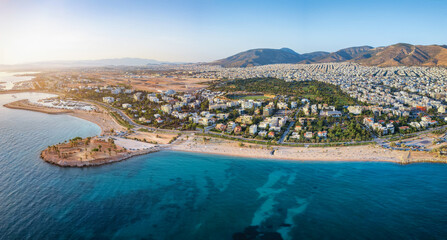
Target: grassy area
[(343, 144), (248, 97), (316, 91), (440, 131), (236, 139), (274, 143)]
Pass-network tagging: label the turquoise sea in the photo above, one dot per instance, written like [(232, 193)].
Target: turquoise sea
[(174, 195)]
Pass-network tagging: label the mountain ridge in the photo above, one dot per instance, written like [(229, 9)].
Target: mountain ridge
[(404, 54), (260, 56), (400, 54)]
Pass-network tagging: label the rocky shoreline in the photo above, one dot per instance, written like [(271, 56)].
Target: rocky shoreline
[(96, 162)]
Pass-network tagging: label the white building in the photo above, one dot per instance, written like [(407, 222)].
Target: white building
[(116, 91), (356, 110), (293, 105), (247, 105), (308, 135), (166, 108), (222, 116), (153, 99), (169, 92), (253, 129), (262, 133), (126, 105), (390, 128), (263, 125), (108, 99), (138, 96), (128, 91), (295, 135), (282, 105)]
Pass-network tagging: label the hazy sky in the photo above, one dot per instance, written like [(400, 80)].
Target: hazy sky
[(204, 30)]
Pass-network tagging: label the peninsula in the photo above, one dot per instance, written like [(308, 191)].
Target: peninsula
[(94, 151), (78, 152)]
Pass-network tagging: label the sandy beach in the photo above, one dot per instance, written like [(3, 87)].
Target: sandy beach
[(157, 137), (367, 153), (100, 117), (191, 143)]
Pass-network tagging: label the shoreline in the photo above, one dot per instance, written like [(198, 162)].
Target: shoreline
[(25, 104), (273, 158), (318, 154), (16, 91), (279, 158), (216, 146), (283, 153), (101, 118), (96, 162)]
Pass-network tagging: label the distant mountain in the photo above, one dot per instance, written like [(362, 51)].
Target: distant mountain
[(85, 63), (403, 54), (314, 55), (342, 55), (395, 55), (262, 56), (289, 51)]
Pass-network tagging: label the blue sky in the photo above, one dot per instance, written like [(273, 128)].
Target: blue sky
[(205, 30)]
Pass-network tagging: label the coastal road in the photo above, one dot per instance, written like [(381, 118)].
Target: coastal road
[(131, 122), (284, 135), (136, 125), (281, 140), (381, 141)]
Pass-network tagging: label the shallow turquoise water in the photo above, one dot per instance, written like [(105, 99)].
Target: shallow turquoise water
[(173, 195)]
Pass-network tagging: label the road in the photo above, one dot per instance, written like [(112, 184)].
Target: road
[(136, 125), (284, 135), (381, 141)]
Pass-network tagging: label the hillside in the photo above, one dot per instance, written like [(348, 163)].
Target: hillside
[(395, 55), (314, 55), (257, 57), (342, 55), (404, 55)]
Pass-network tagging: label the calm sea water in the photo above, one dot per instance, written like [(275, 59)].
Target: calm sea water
[(7, 79), (173, 195)]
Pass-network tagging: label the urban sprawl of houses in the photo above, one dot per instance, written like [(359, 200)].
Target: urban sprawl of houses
[(396, 100)]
